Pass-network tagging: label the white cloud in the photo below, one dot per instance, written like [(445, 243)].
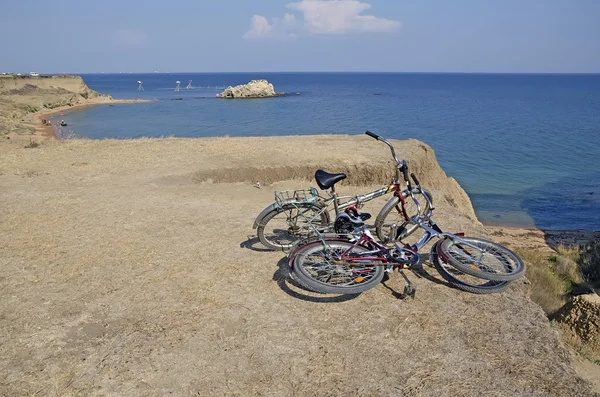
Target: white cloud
[(128, 39), (341, 16), (260, 28), (289, 19), (322, 17)]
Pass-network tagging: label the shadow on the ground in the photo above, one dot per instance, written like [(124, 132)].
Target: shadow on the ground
[(420, 272), (254, 244), (295, 290)]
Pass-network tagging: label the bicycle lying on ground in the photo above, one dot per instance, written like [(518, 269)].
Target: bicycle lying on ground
[(297, 214), (353, 265)]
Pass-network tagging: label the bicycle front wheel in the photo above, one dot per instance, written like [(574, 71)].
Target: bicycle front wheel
[(281, 228), (318, 267), (391, 214), (463, 281), (482, 259)]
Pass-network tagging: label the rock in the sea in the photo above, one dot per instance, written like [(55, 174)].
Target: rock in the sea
[(254, 89)]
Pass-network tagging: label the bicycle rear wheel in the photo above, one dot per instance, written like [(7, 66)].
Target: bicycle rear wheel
[(318, 268), (482, 258), (463, 281), (281, 228)]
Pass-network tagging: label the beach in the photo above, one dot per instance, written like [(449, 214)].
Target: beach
[(132, 265), (48, 131), (30, 102)]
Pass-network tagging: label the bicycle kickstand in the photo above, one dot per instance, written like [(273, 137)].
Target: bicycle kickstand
[(410, 289)]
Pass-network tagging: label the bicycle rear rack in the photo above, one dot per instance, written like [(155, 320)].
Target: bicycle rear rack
[(284, 197)]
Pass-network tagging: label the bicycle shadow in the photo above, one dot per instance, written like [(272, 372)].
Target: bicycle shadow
[(288, 285), (418, 271), (253, 243)]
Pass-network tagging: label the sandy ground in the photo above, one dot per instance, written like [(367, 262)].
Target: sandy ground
[(126, 271)]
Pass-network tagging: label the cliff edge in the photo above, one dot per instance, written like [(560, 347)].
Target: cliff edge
[(130, 266)]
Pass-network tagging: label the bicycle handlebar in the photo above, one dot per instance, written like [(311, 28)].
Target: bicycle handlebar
[(405, 174), (402, 166), (414, 177), (372, 135), (382, 139)]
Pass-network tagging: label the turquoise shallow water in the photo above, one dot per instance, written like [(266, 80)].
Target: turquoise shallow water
[(526, 148)]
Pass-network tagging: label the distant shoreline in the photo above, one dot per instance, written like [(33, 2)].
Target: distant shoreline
[(48, 131)]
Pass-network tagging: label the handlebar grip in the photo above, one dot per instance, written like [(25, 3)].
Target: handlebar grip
[(415, 179), (372, 135), (405, 171)]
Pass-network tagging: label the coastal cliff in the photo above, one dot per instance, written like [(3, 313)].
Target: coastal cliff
[(27, 101), (149, 243), (62, 84), (23, 96)]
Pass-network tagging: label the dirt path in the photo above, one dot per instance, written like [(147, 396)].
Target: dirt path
[(121, 274)]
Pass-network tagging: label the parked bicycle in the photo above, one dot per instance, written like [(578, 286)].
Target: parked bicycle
[(297, 214), (350, 266)]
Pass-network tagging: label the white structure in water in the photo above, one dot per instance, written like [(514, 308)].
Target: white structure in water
[(178, 85), (140, 88), (189, 86)]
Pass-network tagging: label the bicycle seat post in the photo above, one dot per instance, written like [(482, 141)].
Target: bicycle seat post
[(335, 200)]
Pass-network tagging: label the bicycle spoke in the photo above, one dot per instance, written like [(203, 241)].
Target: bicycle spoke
[(333, 272), (486, 259)]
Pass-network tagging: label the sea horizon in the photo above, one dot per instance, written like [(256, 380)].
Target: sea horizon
[(80, 73)]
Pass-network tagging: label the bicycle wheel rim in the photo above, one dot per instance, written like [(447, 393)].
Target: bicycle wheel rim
[(392, 213), (482, 259), (286, 226), (462, 280), (321, 270)]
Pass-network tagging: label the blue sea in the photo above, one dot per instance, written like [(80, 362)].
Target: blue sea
[(526, 148)]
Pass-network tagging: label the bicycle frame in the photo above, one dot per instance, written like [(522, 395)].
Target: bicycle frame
[(431, 229), (380, 254), (357, 200)]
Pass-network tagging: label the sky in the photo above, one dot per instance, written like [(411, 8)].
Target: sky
[(495, 36)]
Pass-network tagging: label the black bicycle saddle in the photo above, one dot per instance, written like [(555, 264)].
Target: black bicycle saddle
[(325, 180)]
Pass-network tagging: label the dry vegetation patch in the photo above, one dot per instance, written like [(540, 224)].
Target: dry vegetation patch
[(122, 275)]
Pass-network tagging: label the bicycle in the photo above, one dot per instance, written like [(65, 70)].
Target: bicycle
[(296, 214), (354, 265)]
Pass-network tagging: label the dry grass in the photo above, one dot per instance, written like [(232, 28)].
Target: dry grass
[(122, 276), (552, 276), (548, 289)]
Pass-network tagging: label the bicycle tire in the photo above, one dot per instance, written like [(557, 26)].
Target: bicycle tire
[(329, 277), (303, 232), (393, 204), (499, 263), (465, 283)]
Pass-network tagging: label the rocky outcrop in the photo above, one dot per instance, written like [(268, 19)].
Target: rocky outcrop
[(254, 89), (579, 320)]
